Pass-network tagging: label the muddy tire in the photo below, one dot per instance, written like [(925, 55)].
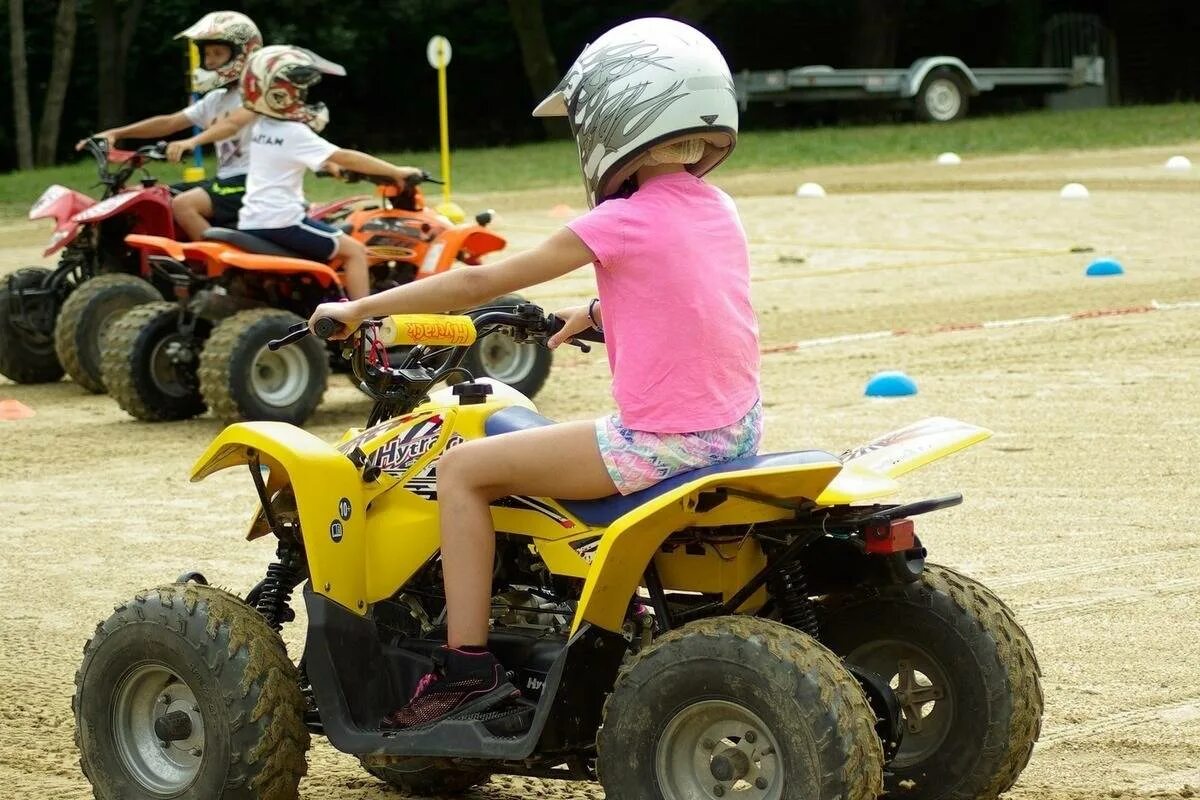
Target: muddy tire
[(973, 703), (149, 364), (233, 728), (423, 777), (523, 366), (26, 356), (745, 704), (85, 319), (242, 379)]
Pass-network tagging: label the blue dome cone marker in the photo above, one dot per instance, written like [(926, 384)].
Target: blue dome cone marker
[(891, 383), (1104, 266)]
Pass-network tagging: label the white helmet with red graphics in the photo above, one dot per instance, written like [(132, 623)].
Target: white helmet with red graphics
[(232, 29), (644, 84), (276, 81)]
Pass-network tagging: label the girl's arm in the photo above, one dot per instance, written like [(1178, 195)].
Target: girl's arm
[(466, 287), (369, 165), (149, 128), (225, 129)]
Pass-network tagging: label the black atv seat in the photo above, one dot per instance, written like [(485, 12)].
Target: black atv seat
[(604, 511), (251, 244)]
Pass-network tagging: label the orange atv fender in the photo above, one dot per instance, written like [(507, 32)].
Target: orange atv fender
[(325, 274), (205, 252), (465, 242)]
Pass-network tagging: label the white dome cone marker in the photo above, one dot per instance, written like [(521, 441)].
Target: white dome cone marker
[(810, 190), (1178, 164), (949, 159), (1074, 191)]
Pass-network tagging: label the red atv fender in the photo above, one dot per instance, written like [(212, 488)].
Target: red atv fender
[(60, 204), (466, 243), (150, 207), (322, 210)]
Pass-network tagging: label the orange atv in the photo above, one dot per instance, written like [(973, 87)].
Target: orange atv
[(235, 292)]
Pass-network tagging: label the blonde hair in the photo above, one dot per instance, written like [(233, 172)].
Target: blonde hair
[(684, 151)]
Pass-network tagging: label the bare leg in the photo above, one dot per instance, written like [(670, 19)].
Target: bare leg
[(193, 210), (560, 461), (354, 269)]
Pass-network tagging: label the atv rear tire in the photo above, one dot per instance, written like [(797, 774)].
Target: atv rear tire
[(242, 379), (423, 777), (975, 707), (25, 356), (740, 703), (149, 363), (525, 366), (85, 318), (186, 692)]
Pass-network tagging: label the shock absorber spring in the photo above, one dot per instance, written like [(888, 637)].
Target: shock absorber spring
[(271, 597), (790, 588)]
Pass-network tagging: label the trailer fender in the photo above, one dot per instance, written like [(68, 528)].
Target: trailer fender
[(923, 66)]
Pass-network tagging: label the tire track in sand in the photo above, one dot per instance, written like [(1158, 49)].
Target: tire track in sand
[(1169, 713), (1054, 609), (1090, 567)]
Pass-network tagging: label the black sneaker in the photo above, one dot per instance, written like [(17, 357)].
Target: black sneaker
[(462, 683)]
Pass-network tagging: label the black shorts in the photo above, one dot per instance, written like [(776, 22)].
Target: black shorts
[(311, 239), (226, 195)]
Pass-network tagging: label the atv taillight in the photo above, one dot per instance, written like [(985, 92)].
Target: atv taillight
[(895, 536)]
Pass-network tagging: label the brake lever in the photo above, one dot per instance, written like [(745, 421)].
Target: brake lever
[(294, 334)]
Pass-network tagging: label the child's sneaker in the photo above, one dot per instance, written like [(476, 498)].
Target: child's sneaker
[(463, 682)]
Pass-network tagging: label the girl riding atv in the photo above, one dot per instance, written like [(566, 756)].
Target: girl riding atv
[(225, 39), (284, 141), (652, 109)]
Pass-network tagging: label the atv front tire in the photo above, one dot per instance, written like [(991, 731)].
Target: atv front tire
[(738, 707), (26, 356), (150, 363), (423, 777), (186, 692), (965, 676), (242, 379), (87, 315)]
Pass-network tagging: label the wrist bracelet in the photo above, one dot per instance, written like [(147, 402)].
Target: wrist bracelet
[(591, 316)]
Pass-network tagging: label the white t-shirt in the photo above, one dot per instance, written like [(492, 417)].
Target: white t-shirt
[(280, 152), (233, 155)]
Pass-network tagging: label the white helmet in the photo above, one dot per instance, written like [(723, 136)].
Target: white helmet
[(276, 81), (645, 83), (230, 28)]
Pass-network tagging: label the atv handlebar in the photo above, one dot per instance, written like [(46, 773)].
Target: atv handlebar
[(398, 390), (350, 176), (98, 147)]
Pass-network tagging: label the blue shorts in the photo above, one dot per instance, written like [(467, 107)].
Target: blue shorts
[(310, 239)]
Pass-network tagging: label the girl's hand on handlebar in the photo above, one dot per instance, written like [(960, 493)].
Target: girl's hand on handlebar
[(345, 313), (177, 149), (575, 321)]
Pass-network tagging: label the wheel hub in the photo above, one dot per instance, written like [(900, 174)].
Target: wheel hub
[(506, 360), (171, 365), (944, 99), (279, 378), (158, 730), (718, 749)]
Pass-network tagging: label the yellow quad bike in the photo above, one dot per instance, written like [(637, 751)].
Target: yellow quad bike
[(763, 629)]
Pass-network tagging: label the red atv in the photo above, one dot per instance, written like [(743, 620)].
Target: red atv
[(53, 320)]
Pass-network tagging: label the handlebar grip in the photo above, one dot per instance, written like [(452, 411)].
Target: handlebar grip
[(326, 327), (588, 335)]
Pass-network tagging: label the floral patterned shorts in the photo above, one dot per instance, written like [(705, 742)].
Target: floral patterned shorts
[(639, 459)]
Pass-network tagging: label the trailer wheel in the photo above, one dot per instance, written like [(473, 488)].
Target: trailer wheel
[(943, 96)]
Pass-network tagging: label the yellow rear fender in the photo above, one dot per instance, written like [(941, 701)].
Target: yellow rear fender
[(632, 540), (871, 468), (330, 496)]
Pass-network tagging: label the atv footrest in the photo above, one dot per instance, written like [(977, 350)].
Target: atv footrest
[(511, 720)]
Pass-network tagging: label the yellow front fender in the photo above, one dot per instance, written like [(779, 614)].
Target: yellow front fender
[(630, 542), (329, 496)]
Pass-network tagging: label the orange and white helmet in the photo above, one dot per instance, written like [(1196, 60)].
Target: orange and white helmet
[(276, 81), (230, 28), (645, 83)]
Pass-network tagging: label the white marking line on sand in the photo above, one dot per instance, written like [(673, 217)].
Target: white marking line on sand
[(1002, 323)]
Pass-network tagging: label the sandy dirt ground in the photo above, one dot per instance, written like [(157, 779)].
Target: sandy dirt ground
[(1079, 511)]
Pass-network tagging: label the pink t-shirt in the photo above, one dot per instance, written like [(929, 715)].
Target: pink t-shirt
[(674, 279)]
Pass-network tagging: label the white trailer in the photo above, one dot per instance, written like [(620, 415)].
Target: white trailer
[(938, 88)]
